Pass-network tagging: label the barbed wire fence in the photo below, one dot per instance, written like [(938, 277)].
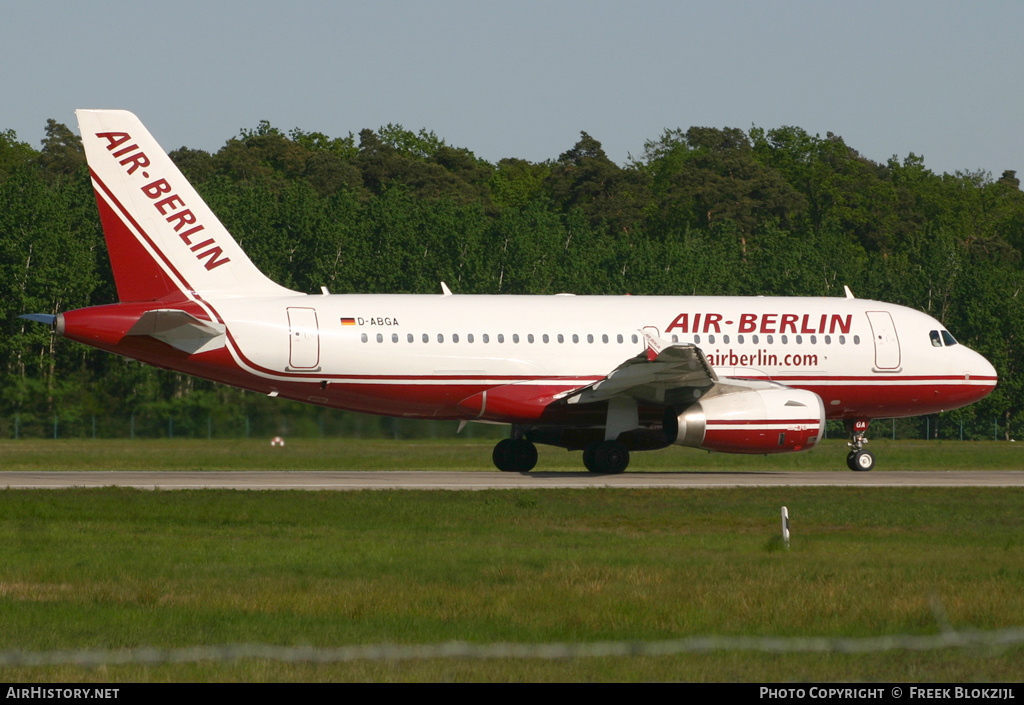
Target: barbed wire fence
[(946, 639)]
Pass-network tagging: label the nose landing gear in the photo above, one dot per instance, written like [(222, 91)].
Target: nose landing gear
[(858, 459)]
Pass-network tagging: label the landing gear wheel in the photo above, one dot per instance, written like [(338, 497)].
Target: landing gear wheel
[(607, 457), (515, 455), (860, 460)]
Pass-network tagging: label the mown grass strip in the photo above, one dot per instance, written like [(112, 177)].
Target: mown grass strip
[(124, 569)]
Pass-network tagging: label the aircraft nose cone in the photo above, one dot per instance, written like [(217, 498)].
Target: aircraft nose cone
[(981, 367), (981, 373)]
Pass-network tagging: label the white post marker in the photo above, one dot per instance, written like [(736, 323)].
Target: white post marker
[(785, 526)]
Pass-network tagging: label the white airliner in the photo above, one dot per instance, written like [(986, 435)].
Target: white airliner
[(603, 374)]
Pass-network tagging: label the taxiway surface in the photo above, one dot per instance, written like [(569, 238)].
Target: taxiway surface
[(418, 480)]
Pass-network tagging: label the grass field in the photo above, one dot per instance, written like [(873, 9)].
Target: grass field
[(116, 569)]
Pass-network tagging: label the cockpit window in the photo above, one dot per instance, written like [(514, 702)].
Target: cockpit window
[(936, 340), (947, 338)]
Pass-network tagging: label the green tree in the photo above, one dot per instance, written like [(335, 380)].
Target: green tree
[(607, 195), (62, 154), (707, 175)]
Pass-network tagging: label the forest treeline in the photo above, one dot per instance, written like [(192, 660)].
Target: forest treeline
[(701, 211)]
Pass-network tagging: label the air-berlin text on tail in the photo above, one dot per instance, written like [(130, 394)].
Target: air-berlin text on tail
[(170, 205), (795, 323)]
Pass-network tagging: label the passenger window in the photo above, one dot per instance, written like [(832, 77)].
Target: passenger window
[(575, 338), (409, 338), (380, 337), (725, 339), (856, 340), (561, 338), (754, 339), (394, 337), (469, 337), (619, 337), (515, 337), (590, 337), (711, 339), (947, 338), (545, 338), (426, 338), (501, 337), (440, 337), (635, 339), (604, 337), (455, 337), (363, 337), (486, 338), (785, 339), (529, 338)]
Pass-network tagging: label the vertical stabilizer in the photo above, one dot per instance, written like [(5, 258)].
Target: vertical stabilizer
[(163, 240)]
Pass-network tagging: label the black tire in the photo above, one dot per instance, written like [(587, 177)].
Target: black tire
[(860, 461), (609, 458), (526, 455), (515, 455)]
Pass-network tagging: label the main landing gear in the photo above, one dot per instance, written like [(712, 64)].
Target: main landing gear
[(518, 454), (606, 457), (515, 455), (858, 458)]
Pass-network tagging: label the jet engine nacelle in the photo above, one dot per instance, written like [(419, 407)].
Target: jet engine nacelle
[(754, 419)]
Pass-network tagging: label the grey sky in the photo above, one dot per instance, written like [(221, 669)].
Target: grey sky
[(522, 79)]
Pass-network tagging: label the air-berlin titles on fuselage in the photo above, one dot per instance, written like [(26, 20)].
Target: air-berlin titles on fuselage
[(763, 323), (133, 159)]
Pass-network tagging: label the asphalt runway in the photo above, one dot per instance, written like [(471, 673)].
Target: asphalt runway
[(413, 480)]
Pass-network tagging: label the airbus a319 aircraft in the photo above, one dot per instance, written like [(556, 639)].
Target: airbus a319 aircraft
[(606, 375)]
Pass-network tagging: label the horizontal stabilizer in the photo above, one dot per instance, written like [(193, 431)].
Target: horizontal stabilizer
[(180, 330), (46, 318)]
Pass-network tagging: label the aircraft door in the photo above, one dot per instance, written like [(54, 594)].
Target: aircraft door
[(304, 339), (887, 343)]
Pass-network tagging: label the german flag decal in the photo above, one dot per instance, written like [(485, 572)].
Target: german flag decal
[(348, 321)]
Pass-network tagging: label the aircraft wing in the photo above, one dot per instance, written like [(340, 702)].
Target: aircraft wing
[(665, 373)]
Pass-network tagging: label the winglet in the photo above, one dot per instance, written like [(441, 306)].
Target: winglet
[(849, 294), (445, 291), (654, 344)]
